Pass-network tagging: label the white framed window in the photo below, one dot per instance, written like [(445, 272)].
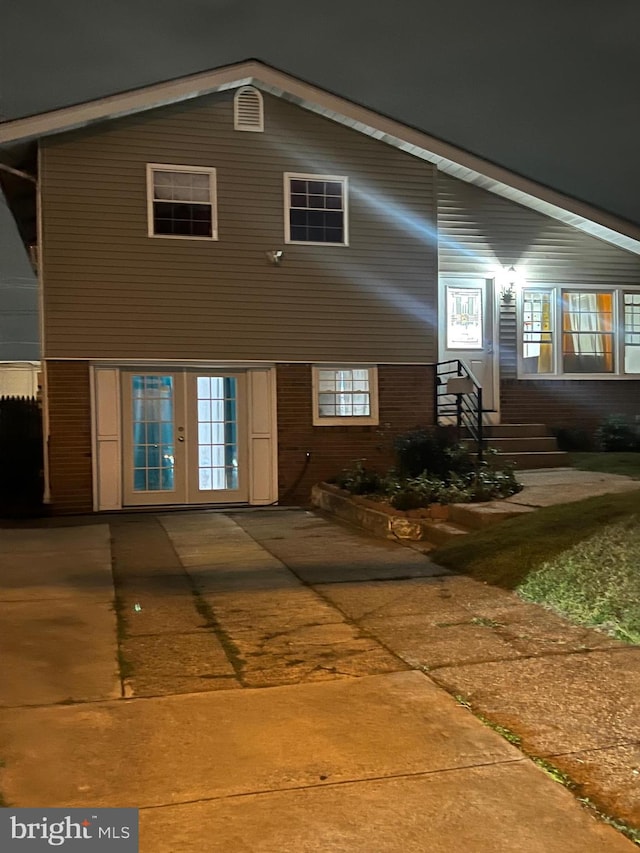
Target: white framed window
[(579, 332), (632, 332), (345, 395), (316, 209), (181, 202)]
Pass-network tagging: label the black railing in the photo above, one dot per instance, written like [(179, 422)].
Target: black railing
[(458, 400)]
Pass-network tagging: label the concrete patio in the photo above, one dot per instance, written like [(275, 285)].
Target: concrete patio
[(280, 682)]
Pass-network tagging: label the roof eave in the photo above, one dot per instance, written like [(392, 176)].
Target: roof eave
[(448, 158)]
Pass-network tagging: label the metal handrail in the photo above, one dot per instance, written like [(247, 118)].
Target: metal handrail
[(465, 404)]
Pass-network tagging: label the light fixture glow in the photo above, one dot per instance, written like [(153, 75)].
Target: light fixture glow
[(275, 256)]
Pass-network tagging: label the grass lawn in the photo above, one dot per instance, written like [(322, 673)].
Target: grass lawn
[(608, 463), (582, 559)]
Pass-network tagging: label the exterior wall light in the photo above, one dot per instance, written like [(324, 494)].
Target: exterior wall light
[(275, 256)]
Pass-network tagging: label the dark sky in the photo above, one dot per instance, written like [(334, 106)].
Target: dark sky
[(548, 88)]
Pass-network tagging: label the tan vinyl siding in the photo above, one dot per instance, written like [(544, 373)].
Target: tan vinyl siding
[(113, 292), (480, 231)]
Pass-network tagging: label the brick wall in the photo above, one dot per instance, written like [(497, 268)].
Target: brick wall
[(405, 397), (578, 403), (69, 402), (563, 403)]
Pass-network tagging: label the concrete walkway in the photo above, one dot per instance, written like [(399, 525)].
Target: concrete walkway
[(280, 690)]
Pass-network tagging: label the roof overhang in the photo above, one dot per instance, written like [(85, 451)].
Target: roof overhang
[(448, 158)]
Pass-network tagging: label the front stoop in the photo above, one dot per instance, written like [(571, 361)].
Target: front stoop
[(384, 521), (526, 445)]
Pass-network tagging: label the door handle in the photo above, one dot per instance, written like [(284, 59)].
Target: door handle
[(180, 438)]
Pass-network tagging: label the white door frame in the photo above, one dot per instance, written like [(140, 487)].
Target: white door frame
[(107, 438), (490, 332)]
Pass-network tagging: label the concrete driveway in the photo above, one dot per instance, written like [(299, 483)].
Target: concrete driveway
[(275, 681)]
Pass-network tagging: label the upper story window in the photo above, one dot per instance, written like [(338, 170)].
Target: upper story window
[(579, 331), (181, 202), (316, 209)]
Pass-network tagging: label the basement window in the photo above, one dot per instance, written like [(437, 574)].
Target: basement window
[(345, 395), (181, 202)]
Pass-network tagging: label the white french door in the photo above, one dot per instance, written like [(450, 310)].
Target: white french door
[(184, 437)]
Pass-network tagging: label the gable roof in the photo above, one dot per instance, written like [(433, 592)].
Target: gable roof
[(448, 158)]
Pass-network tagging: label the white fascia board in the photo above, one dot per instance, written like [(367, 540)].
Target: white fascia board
[(127, 103), (461, 164), (449, 159)]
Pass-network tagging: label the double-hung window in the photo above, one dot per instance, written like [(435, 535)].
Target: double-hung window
[(316, 209), (345, 395), (181, 202), (632, 332), (578, 331)]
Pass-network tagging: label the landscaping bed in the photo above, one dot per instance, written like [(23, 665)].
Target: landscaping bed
[(423, 497), (377, 517)]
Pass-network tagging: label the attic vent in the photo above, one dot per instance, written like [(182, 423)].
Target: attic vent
[(248, 110)]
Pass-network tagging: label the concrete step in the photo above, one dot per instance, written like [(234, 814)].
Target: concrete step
[(441, 532), (479, 516), (516, 431), (539, 444), (524, 461)]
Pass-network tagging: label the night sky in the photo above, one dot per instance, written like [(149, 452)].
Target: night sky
[(547, 88)]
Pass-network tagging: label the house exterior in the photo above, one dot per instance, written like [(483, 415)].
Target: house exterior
[(247, 283)]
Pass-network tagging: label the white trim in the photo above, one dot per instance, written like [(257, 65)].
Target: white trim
[(238, 124), (106, 445), (262, 436), (372, 419), (492, 285), (490, 348), (557, 289), (304, 176), (95, 473), (260, 424), (198, 362), (213, 199), (46, 497), (454, 161)]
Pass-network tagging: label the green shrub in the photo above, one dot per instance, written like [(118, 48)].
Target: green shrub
[(483, 483), (573, 439), (411, 493), (431, 451), (359, 480), (486, 483), (616, 434)]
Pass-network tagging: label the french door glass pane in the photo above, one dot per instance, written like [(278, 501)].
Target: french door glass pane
[(217, 433), (153, 432), (464, 318)]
